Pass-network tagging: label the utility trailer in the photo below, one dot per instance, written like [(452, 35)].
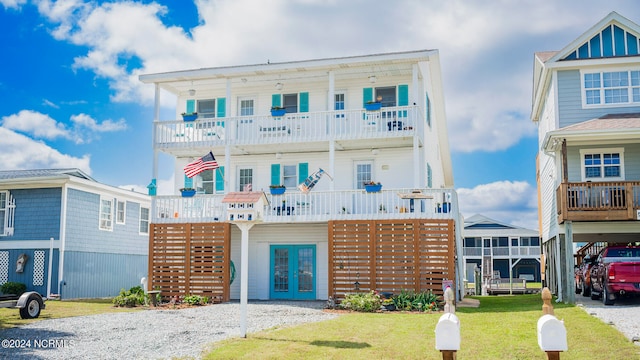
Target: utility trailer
[(30, 304)]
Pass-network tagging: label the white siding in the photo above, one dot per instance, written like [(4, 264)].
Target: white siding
[(260, 239), (548, 176)]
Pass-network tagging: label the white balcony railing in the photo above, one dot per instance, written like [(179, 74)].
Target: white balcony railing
[(316, 206), (401, 121), (503, 251)]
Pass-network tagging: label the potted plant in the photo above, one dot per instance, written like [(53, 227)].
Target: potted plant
[(372, 186), (372, 105), (277, 189), (189, 116), (187, 192), (278, 111)]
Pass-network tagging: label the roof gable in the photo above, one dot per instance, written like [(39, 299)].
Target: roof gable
[(613, 36)]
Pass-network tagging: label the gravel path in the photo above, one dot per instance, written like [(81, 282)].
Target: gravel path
[(150, 334), (624, 314)]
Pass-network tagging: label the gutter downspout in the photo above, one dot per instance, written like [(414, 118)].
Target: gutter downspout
[(63, 235)]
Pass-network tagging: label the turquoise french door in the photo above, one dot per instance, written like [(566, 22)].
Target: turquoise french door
[(293, 272)]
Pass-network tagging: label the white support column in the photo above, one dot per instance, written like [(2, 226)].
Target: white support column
[(156, 118), (332, 91), (332, 163), (414, 85), (244, 276), (570, 285), (229, 113)]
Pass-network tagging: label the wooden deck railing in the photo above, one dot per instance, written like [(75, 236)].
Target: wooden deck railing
[(598, 201)]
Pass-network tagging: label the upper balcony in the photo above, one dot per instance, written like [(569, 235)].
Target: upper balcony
[(598, 201), (317, 206), (351, 129)]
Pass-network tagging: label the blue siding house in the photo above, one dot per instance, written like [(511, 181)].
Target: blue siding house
[(82, 239), (586, 103)]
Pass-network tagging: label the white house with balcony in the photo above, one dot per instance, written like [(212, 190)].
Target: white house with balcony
[(361, 119), (497, 250), (586, 103)]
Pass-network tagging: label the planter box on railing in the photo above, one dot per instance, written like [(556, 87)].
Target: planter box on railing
[(373, 106), (189, 117), (277, 191), (188, 193), (373, 188), (278, 112)]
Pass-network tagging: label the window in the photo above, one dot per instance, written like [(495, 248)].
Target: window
[(245, 177), (144, 220), (206, 108), (614, 87), (338, 104), (473, 242), (106, 214), (246, 107), (388, 95), (120, 212), (7, 205), (363, 173), (500, 242), (602, 164), (290, 102), (290, 176), (205, 182)]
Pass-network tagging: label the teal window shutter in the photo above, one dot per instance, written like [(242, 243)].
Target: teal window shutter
[(403, 95), (188, 182), (222, 102), (367, 95), (276, 100), (220, 179), (303, 172), (304, 101), (191, 106), (275, 174)]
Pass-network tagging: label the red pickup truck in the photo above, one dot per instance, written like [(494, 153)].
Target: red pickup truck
[(616, 272)]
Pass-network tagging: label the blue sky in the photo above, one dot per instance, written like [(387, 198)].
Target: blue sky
[(71, 96)]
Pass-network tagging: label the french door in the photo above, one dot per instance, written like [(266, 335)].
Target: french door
[(293, 272)]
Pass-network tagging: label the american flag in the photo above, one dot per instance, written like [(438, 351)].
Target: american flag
[(207, 162)]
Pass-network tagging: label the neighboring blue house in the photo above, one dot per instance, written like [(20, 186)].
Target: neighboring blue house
[(586, 104), (82, 239)]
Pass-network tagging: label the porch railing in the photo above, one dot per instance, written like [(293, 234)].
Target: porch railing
[(598, 201), (317, 206), (400, 121)]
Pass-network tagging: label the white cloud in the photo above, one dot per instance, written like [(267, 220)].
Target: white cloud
[(12, 4), (21, 152), (86, 121), (36, 124), (512, 202)]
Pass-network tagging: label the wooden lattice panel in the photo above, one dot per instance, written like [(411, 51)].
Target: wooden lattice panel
[(390, 255), (190, 259)]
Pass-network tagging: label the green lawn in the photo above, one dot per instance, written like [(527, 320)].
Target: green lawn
[(55, 309), (503, 327)]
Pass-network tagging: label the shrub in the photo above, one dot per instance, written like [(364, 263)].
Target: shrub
[(14, 288), (409, 300), (130, 298), (364, 302), (196, 299)]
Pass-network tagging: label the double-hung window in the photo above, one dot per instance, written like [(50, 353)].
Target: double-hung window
[(611, 88), (206, 108), (106, 214), (364, 173), (144, 221), (121, 212), (290, 102), (602, 164), (290, 176)]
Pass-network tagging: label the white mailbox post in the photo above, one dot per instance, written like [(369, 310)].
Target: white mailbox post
[(552, 335), (448, 329)]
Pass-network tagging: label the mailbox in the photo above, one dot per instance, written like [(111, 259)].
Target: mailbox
[(448, 332), (552, 336)]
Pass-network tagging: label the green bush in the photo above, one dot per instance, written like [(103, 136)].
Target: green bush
[(130, 298), (14, 288), (196, 299), (364, 302), (410, 301)]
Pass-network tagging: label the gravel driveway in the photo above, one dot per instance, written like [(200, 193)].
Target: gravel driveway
[(150, 334), (624, 314)]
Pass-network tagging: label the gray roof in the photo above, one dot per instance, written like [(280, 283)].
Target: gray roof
[(43, 173), (482, 226)]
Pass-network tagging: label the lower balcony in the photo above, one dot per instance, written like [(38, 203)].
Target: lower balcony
[(317, 206), (598, 201)]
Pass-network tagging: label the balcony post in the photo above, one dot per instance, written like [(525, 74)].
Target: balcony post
[(628, 189)]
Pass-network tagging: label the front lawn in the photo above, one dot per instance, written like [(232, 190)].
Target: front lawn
[(503, 327)]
